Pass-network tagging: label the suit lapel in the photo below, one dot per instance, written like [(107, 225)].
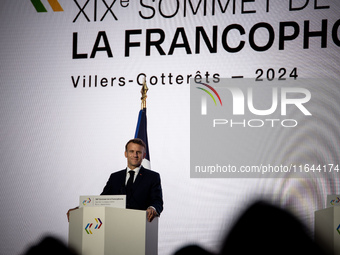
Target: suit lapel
[(138, 178), (121, 182), (123, 177)]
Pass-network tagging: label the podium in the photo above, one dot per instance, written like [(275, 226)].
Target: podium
[(327, 228), (107, 230)]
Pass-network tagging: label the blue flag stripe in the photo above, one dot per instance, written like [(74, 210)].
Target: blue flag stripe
[(141, 130)]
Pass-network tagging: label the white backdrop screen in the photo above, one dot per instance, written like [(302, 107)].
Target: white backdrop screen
[(70, 75)]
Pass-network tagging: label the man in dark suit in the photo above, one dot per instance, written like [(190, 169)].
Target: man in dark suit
[(142, 186)]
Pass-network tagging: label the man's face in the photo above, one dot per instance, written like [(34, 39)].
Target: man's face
[(134, 154)]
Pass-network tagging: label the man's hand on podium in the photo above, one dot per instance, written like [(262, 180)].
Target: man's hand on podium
[(151, 213), (68, 212)]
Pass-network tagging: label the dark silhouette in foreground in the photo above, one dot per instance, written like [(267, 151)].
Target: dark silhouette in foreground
[(264, 229), (50, 246)]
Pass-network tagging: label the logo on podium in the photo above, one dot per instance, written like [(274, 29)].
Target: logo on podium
[(87, 201), (89, 226), (335, 201)]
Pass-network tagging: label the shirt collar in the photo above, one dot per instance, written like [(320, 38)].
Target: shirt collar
[(136, 170)]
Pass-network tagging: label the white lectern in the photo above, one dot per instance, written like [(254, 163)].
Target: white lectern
[(107, 230), (327, 228)]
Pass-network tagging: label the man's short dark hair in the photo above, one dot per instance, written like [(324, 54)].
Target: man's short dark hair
[(137, 141)]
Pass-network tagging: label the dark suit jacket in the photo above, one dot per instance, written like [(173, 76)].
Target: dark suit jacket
[(146, 190)]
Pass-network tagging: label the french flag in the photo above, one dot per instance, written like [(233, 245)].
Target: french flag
[(141, 132)]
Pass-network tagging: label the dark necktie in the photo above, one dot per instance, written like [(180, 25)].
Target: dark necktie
[(130, 181)]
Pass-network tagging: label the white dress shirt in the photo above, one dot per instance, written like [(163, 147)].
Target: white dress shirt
[(136, 170)]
